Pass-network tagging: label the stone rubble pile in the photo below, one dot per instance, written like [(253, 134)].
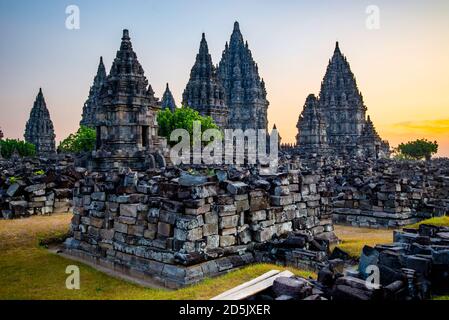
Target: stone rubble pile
[(414, 267), (178, 227), (37, 186), (382, 193)]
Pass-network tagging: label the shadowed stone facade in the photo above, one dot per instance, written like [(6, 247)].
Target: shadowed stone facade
[(340, 105), (312, 127), (204, 92), (168, 101), (91, 105), (126, 117), (245, 92), (39, 128)]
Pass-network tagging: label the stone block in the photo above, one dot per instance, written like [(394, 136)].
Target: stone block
[(129, 210), (164, 229), (228, 221), (227, 241)]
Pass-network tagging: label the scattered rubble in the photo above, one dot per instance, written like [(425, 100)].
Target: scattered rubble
[(414, 267), (37, 186)]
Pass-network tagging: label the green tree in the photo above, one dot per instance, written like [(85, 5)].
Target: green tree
[(182, 118), (418, 149), (24, 149), (81, 141)]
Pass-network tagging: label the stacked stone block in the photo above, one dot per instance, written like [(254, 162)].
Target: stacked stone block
[(183, 229), (34, 187)]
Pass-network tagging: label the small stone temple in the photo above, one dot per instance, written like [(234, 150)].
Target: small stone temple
[(39, 128), (204, 91), (312, 128), (340, 108), (91, 104), (126, 117), (167, 100), (245, 93)]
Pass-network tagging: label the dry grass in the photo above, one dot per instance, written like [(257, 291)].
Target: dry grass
[(438, 221), (28, 271), (354, 239)]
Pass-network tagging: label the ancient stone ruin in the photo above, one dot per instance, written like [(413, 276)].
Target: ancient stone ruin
[(91, 106), (39, 129), (204, 91), (178, 228), (37, 186), (167, 100), (126, 116), (341, 110), (245, 93)]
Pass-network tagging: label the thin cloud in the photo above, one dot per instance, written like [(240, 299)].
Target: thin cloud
[(437, 126)]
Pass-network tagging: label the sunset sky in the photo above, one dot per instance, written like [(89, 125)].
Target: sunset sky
[(402, 69)]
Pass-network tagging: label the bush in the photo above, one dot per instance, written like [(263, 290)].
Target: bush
[(24, 149), (81, 141), (417, 150), (182, 118)]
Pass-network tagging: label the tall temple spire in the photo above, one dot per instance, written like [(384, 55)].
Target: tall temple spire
[(312, 131), (91, 105), (236, 36), (204, 91), (167, 100), (245, 93), (126, 115), (342, 103), (39, 129), (341, 110)]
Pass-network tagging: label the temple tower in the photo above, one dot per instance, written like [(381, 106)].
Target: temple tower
[(91, 105), (245, 92), (39, 128), (126, 117), (312, 129), (370, 142), (342, 104), (168, 101), (1, 137), (204, 92), (336, 121)]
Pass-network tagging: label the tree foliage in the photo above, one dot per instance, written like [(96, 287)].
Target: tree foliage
[(81, 141), (24, 149), (182, 118), (418, 149)]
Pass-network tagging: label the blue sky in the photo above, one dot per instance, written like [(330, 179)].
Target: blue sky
[(401, 68)]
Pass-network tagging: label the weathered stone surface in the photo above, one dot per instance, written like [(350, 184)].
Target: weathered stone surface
[(39, 128), (337, 122), (92, 103), (245, 92), (168, 102), (204, 91)]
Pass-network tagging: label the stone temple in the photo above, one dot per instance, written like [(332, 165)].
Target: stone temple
[(312, 127), (245, 93), (167, 100), (341, 110), (204, 91), (91, 105), (39, 128), (126, 117)]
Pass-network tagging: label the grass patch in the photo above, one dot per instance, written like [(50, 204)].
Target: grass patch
[(437, 221), (354, 239), (29, 271)]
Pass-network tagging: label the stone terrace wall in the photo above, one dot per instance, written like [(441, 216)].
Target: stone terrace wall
[(37, 186), (178, 229), (384, 193)]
